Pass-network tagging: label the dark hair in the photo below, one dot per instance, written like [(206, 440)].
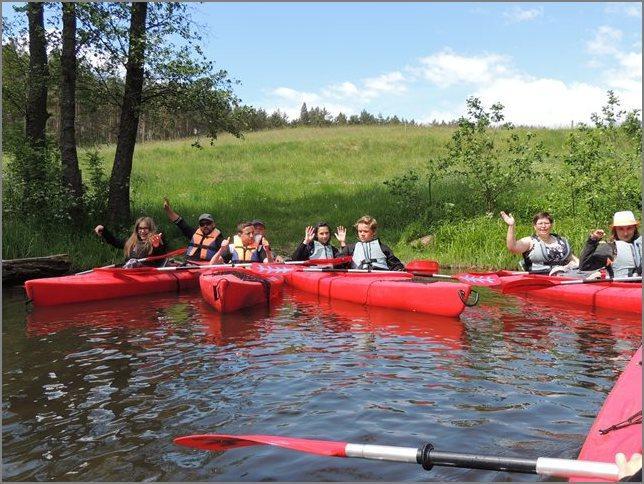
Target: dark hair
[(538, 216), (317, 227)]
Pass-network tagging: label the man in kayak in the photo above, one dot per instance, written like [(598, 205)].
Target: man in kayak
[(544, 252), (622, 254), (368, 252), (143, 242), (243, 248), (204, 241), (261, 240), (316, 243)]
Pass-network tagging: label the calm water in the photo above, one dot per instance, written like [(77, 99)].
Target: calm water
[(96, 392)]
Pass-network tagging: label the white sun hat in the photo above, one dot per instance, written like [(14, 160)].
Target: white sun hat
[(624, 219)]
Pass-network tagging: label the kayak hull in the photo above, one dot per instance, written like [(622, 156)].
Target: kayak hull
[(618, 296), (624, 401), (231, 290), (394, 290), (108, 284)]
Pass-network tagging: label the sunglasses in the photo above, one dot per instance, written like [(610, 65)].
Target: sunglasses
[(205, 223)]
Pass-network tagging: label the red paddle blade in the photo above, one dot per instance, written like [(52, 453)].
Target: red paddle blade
[(337, 261), (487, 279), (422, 266), (527, 284), (222, 442)]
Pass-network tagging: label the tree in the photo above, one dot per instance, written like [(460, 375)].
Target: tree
[(304, 115), (71, 173), (36, 113), (119, 193)]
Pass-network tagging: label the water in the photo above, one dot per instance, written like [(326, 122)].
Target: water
[(97, 392)]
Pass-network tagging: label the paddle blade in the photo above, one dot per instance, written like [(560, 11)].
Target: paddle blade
[(487, 279), (422, 266), (222, 442), (527, 284)]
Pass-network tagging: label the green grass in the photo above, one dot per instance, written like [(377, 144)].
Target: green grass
[(291, 178)]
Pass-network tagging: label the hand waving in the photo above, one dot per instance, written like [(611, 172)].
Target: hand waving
[(508, 218)]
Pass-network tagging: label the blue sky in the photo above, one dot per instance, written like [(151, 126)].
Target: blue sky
[(548, 63)]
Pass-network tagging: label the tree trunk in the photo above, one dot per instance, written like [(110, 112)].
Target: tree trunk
[(119, 193), (19, 270), (36, 116), (69, 158)]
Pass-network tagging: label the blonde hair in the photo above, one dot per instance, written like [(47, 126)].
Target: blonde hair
[(130, 243), (368, 221)]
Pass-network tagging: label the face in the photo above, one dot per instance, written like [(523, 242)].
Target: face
[(323, 234), (247, 234), (365, 234), (625, 233), (259, 229), (542, 227), (206, 226), (143, 231)]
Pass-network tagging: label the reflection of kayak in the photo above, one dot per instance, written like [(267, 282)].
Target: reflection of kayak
[(108, 283), (611, 432), (143, 312), (358, 318), (620, 296), (232, 289), (394, 290)]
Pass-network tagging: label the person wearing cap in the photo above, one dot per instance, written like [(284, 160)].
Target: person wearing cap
[(544, 252), (621, 255), (242, 249), (204, 241)]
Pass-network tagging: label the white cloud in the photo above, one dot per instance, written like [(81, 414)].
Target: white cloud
[(446, 68), (605, 41), (629, 9), (390, 83), (518, 14)]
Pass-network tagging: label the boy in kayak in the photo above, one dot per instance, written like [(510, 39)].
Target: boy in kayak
[(316, 243), (242, 249), (368, 252), (204, 240), (143, 242)]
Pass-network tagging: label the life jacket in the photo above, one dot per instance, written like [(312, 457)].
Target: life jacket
[(203, 247), (628, 258), (321, 251), (541, 258), (369, 255), (242, 253)]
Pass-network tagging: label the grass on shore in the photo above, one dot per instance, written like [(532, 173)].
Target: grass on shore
[(291, 178)]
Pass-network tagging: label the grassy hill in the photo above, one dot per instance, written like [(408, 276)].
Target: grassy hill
[(291, 178)]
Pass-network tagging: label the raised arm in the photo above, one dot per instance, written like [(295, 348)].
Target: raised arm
[(515, 246)]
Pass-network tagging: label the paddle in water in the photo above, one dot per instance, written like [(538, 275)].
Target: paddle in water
[(425, 455)]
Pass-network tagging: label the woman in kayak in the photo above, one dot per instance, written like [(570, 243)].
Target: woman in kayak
[(142, 243), (368, 252), (544, 252), (622, 254), (316, 243), (242, 249)]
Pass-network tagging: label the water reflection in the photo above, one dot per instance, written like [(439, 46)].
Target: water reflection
[(97, 391)]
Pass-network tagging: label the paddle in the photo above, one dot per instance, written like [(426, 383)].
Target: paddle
[(488, 279), (312, 262), (424, 455), (144, 259), (530, 283)]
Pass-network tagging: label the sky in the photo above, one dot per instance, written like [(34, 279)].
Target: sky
[(549, 64)]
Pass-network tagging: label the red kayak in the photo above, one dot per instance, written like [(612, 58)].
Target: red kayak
[(232, 289), (394, 290), (108, 283), (618, 296), (618, 426)]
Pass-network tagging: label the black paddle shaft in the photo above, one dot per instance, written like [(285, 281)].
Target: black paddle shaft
[(428, 457)]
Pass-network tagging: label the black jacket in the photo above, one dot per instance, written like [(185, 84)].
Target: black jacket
[(304, 251), (111, 239)]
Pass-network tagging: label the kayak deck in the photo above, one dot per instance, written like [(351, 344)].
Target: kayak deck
[(611, 431), (229, 290)]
